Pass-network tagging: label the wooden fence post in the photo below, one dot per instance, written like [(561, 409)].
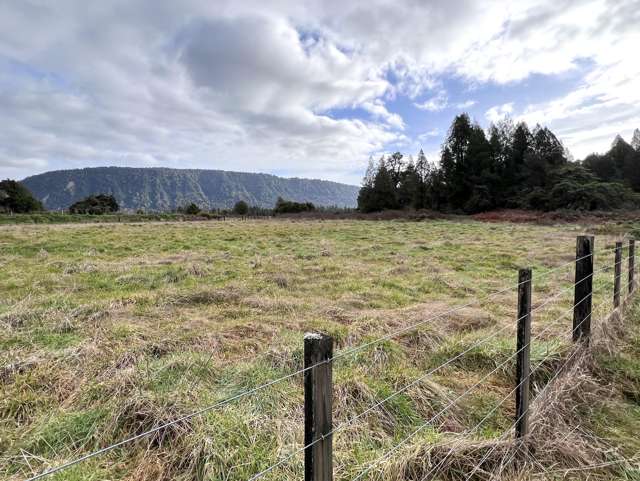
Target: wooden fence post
[(632, 252), (583, 288), (617, 274), (523, 367), (318, 400)]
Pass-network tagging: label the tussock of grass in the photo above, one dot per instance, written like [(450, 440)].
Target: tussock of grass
[(140, 414), (559, 439), (210, 296), (568, 420), (450, 460)]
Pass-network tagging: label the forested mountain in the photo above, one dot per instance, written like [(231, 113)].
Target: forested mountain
[(509, 166), (160, 189)]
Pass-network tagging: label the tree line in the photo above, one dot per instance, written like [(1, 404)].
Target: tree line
[(510, 166), (16, 198)]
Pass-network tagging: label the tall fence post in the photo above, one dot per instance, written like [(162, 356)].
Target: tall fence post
[(318, 400), (617, 274), (632, 252), (523, 367), (583, 288)]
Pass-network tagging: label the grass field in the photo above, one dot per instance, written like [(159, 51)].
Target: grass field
[(107, 330), (66, 218)]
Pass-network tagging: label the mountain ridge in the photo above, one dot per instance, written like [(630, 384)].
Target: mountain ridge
[(165, 188)]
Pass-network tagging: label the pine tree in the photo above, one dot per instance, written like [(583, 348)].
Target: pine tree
[(635, 140), (408, 189), (384, 189), (395, 165), (509, 166), (455, 161), (370, 174), (423, 172), (422, 165), (365, 196)]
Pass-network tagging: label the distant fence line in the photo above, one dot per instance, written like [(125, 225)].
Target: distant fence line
[(319, 357)]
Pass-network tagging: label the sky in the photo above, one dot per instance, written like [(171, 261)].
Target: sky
[(303, 89)]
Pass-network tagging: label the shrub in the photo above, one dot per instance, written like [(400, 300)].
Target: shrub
[(241, 208), (290, 207), (591, 196), (189, 209), (574, 187), (95, 205)]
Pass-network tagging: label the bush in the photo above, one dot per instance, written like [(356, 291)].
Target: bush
[(192, 209), (591, 196), (95, 205), (15, 197), (189, 209), (290, 207), (574, 187), (241, 208)]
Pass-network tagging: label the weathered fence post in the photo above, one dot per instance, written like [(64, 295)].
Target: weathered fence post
[(318, 400), (632, 252), (617, 274), (523, 368), (583, 288)]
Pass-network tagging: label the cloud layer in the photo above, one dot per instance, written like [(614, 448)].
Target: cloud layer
[(295, 88)]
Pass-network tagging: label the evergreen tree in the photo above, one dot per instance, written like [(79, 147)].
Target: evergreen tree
[(384, 189), (241, 208), (455, 161), (192, 209), (545, 153), (408, 188), (482, 176), (635, 140), (423, 172), (370, 174), (601, 166), (513, 167), (15, 197), (395, 166), (620, 164), (367, 200)]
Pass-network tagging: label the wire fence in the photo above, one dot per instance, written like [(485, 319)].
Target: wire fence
[(319, 433)]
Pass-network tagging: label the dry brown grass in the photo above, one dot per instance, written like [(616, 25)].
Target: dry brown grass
[(561, 443)]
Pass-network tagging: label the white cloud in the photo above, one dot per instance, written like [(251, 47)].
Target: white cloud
[(425, 136), (378, 110), (251, 85), (241, 93), (499, 112), (466, 104), (434, 104), (440, 102)]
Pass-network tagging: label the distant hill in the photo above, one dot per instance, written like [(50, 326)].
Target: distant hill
[(160, 189)]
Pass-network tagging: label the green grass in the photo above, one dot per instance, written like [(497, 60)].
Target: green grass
[(66, 218), (113, 328)]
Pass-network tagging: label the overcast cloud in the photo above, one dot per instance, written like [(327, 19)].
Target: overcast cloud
[(302, 88)]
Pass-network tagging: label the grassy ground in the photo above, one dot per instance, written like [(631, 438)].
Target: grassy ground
[(50, 217), (109, 330)]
